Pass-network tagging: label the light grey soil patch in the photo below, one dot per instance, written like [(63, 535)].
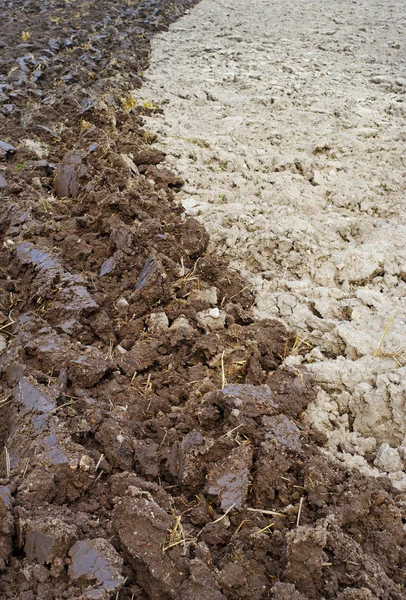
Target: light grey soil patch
[(287, 122)]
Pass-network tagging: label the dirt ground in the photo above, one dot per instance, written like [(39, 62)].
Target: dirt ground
[(154, 434), (288, 126)]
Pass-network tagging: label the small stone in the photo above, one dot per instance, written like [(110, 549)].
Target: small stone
[(73, 464), (3, 182), (3, 343), (86, 463), (215, 313), (287, 591), (388, 459), (122, 305), (309, 149), (293, 361), (116, 447), (120, 349)]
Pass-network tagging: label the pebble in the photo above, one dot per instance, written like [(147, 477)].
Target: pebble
[(122, 305)]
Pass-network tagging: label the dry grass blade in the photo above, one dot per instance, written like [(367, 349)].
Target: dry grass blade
[(232, 430), (197, 141), (176, 536), (378, 351), (298, 345), (265, 528), (6, 400), (299, 511), (128, 102), (109, 355), (399, 355), (219, 519), (223, 516), (240, 292), (8, 464), (274, 513), (69, 403), (241, 524), (27, 464), (99, 462), (223, 373), (7, 325), (190, 276), (147, 389)]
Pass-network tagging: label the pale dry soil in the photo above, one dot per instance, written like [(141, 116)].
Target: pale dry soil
[(287, 123)]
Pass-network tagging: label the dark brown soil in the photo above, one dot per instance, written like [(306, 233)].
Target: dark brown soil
[(153, 445)]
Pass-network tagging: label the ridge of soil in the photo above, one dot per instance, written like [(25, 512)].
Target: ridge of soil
[(153, 440)]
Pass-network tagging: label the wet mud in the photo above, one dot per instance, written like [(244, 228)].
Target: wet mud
[(153, 441)]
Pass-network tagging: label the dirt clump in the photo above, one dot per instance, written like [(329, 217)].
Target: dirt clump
[(153, 442)]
